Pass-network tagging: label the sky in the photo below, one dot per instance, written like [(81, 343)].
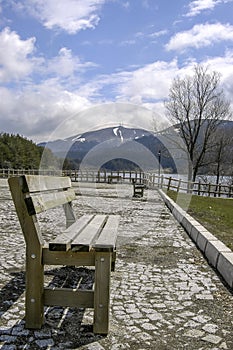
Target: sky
[(69, 66)]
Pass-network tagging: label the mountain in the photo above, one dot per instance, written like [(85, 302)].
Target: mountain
[(121, 148), (115, 148)]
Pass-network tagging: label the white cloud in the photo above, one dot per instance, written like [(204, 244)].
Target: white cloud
[(149, 82), (201, 35), (49, 110), (34, 109), (197, 6), (66, 65), (149, 85), (16, 60), (37, 111), (158, 34), (40, 111), (142, 36), (126, 4), (128, 42), (69, 15), (224, 65)]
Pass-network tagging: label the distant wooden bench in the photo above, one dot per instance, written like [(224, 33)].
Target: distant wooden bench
[(88, 241), (138, 190), (111, 178)]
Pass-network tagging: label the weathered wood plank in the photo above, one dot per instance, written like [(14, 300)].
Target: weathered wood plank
[(68, 258), (34, 268), (69, 213), (102, 292), (68, 297), (37, 183), (44, 201), (107, 238), (64, 240), (84, 241), (29, 225), (34, 307)]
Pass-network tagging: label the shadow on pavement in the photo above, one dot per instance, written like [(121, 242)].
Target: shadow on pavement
[(64, 328)]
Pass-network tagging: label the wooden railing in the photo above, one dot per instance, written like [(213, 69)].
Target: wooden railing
[(151, 180), (80, 175), (199, 188), (5, 173), (104, 176)]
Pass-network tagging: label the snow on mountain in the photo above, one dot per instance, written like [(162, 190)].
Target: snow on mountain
[(122, 139), (78, 146), (115, 130), (82, 143)]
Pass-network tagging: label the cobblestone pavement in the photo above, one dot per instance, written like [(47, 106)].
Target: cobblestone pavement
[(164, 295)]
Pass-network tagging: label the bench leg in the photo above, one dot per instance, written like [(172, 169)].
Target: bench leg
[(113, 263), (34, 313), (102, 292)]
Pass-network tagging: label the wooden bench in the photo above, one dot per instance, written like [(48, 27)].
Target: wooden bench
[(138, 190), (111, 178), (88, 241)]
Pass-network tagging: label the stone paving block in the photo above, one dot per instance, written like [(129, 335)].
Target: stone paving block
[(203, 238), (213, 249), (225, 267), (169, 202), (194, 232), (187, 224), (213, 339), (178, 214)]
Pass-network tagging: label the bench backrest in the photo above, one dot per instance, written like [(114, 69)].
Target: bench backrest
[(33, 194)]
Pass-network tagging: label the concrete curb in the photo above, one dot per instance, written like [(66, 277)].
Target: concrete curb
[(216, 252)]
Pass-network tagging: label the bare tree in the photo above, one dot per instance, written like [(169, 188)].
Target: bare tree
[(197, 105), (221, 157)]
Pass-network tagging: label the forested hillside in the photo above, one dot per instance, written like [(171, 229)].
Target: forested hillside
[(18, 152)]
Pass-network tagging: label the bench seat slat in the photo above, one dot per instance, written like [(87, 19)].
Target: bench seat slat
[(44, 201), (37, 183), (63, 241), (107, 239), (84, 241)]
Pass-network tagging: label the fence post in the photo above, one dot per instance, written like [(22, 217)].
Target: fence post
[(161, 178), (189, 187), (153, 180), (178, 187), (199, 188), (219, 190), (209, 188), (169, 183)]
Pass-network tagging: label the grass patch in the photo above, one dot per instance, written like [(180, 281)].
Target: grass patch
[(215, 214)]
